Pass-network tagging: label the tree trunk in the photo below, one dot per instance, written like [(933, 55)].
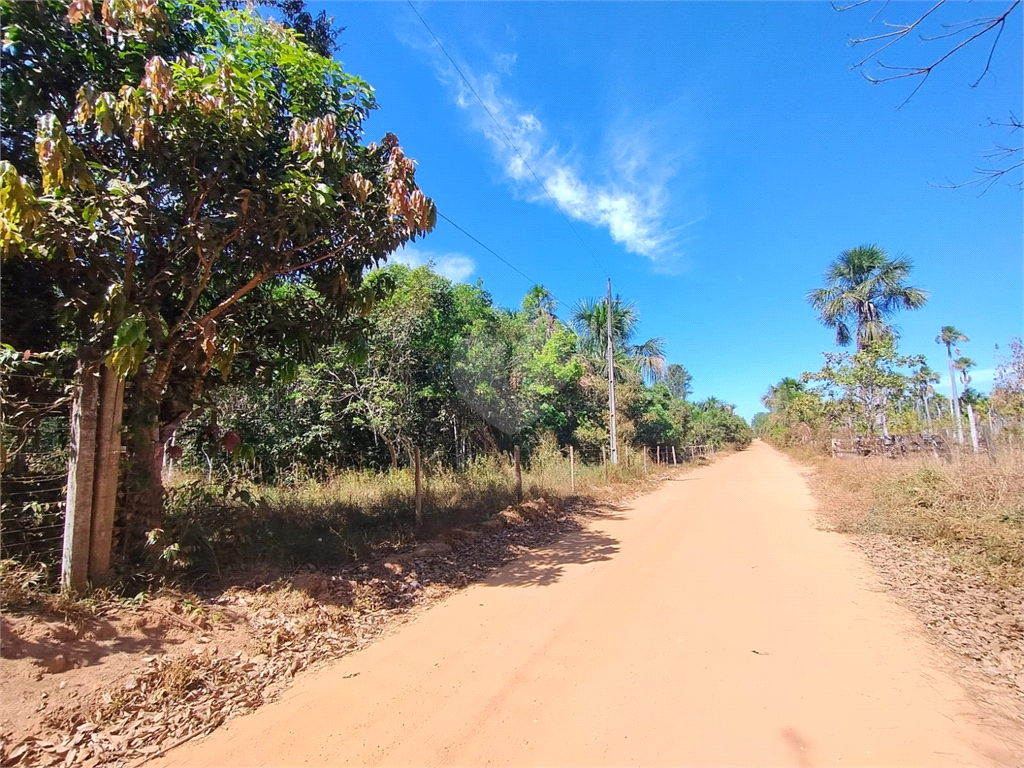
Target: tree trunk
[(108, 465), (81, 477), (144, 485), (974, 428), (954, 403), (927, 411)]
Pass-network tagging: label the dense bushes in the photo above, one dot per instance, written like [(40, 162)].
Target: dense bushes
[(439, 367)]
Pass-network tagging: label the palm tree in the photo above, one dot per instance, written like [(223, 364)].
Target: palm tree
[(863, 288), (969, 396), (714, 404), (950, 337), (779, 395), (590, 321), (539, 306)]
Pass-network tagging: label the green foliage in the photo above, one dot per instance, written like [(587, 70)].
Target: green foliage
[(864, 287), (678, 379), (865, 384), (714, 423), (191, 190), (442, 369)]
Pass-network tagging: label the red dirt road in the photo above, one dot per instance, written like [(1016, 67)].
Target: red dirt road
[(705, 624)]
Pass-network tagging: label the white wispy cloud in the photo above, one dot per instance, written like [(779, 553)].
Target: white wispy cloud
[(624, 190), (503, 62), (630, 207), (455, 266)]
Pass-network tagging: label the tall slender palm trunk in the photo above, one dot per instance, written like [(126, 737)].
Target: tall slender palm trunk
[(974, 428), (954, 402)]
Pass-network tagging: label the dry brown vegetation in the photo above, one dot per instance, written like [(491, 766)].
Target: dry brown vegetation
[(352, 515), (947, 539), (970, 510)]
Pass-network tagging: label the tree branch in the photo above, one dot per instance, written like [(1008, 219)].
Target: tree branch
[(264, 275), (318, 259), (997, 23)]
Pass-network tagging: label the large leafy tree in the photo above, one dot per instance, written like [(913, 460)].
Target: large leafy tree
[(198, 196), (783, 393), (678, 381), (863, 288), (949, 337), (866, 382)]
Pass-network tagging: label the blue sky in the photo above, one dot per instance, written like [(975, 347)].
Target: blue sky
[(713, 157)]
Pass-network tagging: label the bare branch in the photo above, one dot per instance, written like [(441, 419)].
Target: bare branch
[(896, 36), (957, 29), (984, 27), (992, 50), (986, 177), (841, 8)]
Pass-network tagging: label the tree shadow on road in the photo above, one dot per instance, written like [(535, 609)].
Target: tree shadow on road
[(546, 566)]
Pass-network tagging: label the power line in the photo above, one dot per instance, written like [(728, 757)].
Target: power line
[(515, 149), (500, 258)]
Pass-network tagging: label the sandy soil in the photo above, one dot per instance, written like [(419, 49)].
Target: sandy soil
[(708, 623), (116, 682)]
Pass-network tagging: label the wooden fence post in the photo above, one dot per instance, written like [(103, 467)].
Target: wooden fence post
[(674, 462), (74, 574), (419, 488), (572, 470), (108, 461), (604, 463), (519, 475), (657, 455), (645, 459)]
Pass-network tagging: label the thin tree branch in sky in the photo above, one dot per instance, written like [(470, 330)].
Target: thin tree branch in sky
[(901, 31)]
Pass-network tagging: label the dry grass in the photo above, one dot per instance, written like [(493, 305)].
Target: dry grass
[(355, 516), (971, 509), (25, 585)]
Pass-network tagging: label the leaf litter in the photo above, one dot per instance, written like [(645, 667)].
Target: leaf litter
[(291, 623)]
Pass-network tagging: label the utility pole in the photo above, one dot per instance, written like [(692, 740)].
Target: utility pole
[(611, 380)]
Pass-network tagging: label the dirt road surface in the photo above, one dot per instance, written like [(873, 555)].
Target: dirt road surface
[(706, 624)]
